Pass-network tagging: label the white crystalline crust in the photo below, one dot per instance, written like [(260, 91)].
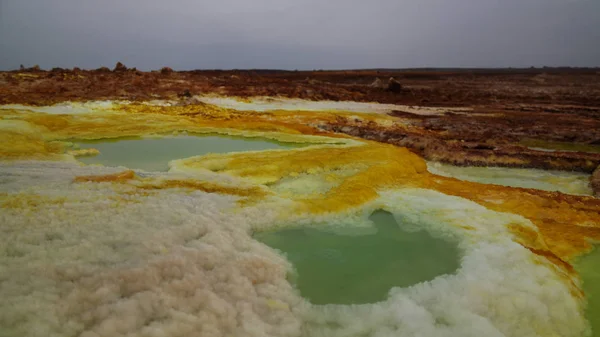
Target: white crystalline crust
[(176, 264), (75, 108), (65, 108), (184, 264), (281, 103)]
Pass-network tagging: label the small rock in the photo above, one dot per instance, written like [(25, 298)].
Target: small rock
[(166, 70), (186, 93), (189, 101), (30, 69), (394, 85), (120, 67)]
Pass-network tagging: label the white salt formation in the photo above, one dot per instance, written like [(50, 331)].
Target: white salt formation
[(98, 251), (293, 104), (107, 263)]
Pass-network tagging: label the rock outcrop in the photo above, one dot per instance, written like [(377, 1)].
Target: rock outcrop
[(166, 70), (394, 86), (119, 67)]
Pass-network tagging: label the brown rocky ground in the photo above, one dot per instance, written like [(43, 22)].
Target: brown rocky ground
[(542, 118)]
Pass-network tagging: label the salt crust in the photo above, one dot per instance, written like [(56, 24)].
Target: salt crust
[(90, 259)]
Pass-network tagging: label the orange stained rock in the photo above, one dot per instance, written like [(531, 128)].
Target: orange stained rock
[(158, 184), (15, 145), (208, 187), (569, 224), (115, 177)]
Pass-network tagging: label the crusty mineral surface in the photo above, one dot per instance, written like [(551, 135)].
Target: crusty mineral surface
[(93, 250)]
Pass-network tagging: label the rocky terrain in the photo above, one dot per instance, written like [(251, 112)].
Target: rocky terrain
[(539, 118)]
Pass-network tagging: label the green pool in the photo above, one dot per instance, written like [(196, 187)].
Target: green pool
[(346, 267), (588, 267), (154, 154), (537, 144)]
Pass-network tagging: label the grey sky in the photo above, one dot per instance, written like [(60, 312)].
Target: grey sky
[(299, 34)]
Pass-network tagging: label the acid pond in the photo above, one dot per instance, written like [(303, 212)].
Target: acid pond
[(541, 145), (154, 154), (588, 268), (343, 266)]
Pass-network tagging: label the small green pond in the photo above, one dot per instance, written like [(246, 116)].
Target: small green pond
[(154, 154), (536, 144), (343, 267), (588, 268)]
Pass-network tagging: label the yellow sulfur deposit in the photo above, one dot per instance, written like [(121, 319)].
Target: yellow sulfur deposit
[(567, 223), (138, 242)]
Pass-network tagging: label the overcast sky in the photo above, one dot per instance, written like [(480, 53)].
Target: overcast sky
[(299, 34)]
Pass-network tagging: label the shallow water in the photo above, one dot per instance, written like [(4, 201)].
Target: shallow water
[(566, 182), (154, 154), (346, 267), (541, 145), (589, 269)]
